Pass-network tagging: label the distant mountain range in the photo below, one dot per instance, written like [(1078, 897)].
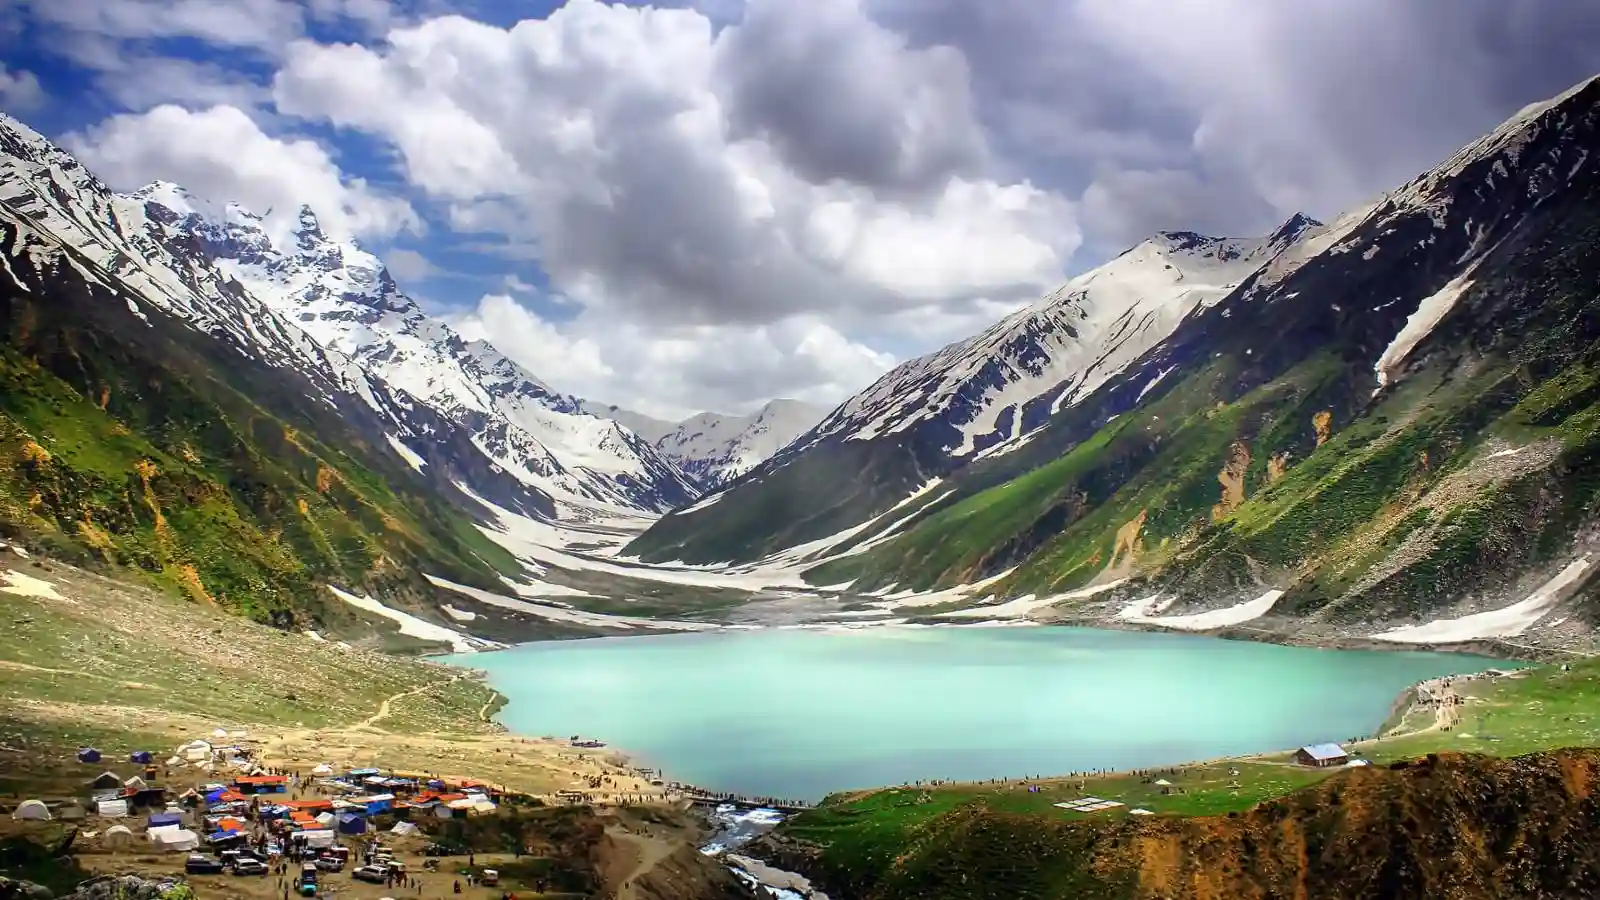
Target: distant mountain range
[(715, 448), (1369, 420)]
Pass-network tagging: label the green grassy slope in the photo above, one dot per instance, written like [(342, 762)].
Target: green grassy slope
[(1478, 465), (898, 841), (160, 452)]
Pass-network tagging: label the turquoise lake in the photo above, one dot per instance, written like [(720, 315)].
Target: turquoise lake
[(797, 713)]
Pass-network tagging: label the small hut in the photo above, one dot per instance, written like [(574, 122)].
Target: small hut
[(1321, 756)]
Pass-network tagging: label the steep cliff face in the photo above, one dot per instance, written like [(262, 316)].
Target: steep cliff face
[(1446, 827)]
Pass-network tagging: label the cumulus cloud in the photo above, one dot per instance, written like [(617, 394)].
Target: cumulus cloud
[(222, 155), (841, 97), (258, 24), (19, 90), (672, 373), (601, 134)]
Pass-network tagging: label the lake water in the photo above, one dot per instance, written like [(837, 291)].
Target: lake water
[(797, 713)]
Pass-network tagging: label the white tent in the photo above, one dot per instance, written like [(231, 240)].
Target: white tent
[(323, 769), (112, 809), (219, 733), (442, 812), (175, 761), (34, 810), (318, 839), (136, 783), (483, 806), (174, 838), (404, 828), (463, 803), (117, 837), (325, 820)]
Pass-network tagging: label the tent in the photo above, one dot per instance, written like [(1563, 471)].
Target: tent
[(219, 838), (141, 757), (319, 838), (33, 810), (71, 812), (404, 828), (174, 760), (106, 780), (219, 733), (216, 795), (117, 837), (442, 812), (350, 823), (166, 818), (88, 755), (377, 803), (112, 809), (174, 839), (323, 769), (136, 783), (326, 820)]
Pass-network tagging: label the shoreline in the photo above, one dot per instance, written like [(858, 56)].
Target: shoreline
[(1404, 703)]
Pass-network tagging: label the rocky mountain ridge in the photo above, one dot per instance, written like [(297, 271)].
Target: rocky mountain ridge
[(1389, 421)]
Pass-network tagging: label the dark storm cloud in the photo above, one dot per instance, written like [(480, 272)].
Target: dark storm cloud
[(839, 97)]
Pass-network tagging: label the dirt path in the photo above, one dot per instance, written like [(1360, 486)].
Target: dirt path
[(383, 708), (649, 850)]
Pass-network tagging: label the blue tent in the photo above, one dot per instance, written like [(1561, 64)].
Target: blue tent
[(141, 757), (377, 805), (350, 823), (224, 837), (435, 785), (88, 755), (160, 819), (215, 796)]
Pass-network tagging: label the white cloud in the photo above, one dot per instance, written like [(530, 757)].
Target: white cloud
[(674, 372), (601, 134), (409, 265), (19, 90), (222, 155), (258, 24)]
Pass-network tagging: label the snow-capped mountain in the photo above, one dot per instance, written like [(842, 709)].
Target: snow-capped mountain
[(990, 390), (331, 311), (715, 449), (1378, 284)]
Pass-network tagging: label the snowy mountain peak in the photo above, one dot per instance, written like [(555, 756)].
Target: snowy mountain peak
[(985, 394), (715, 448), (301, 299)]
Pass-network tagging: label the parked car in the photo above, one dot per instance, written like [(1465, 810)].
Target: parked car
[(330, 864), (374, 874), (489, 877), (202, 865), (249, 866), (439, 850)]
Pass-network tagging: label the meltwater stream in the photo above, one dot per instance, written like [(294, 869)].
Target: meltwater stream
[(798, 713)]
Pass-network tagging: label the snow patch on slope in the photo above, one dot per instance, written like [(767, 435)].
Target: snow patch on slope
[(1140, 611), (1509, 621), (413, 626)]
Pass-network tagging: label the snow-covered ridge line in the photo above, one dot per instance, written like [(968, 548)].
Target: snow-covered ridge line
[(330, 310)]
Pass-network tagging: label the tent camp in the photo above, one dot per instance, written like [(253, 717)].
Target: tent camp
[(32, 810), (112, 809), (88, 755), (174, 839), (117, 837)]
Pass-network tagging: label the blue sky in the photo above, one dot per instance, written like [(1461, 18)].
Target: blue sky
[(708, 204)]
